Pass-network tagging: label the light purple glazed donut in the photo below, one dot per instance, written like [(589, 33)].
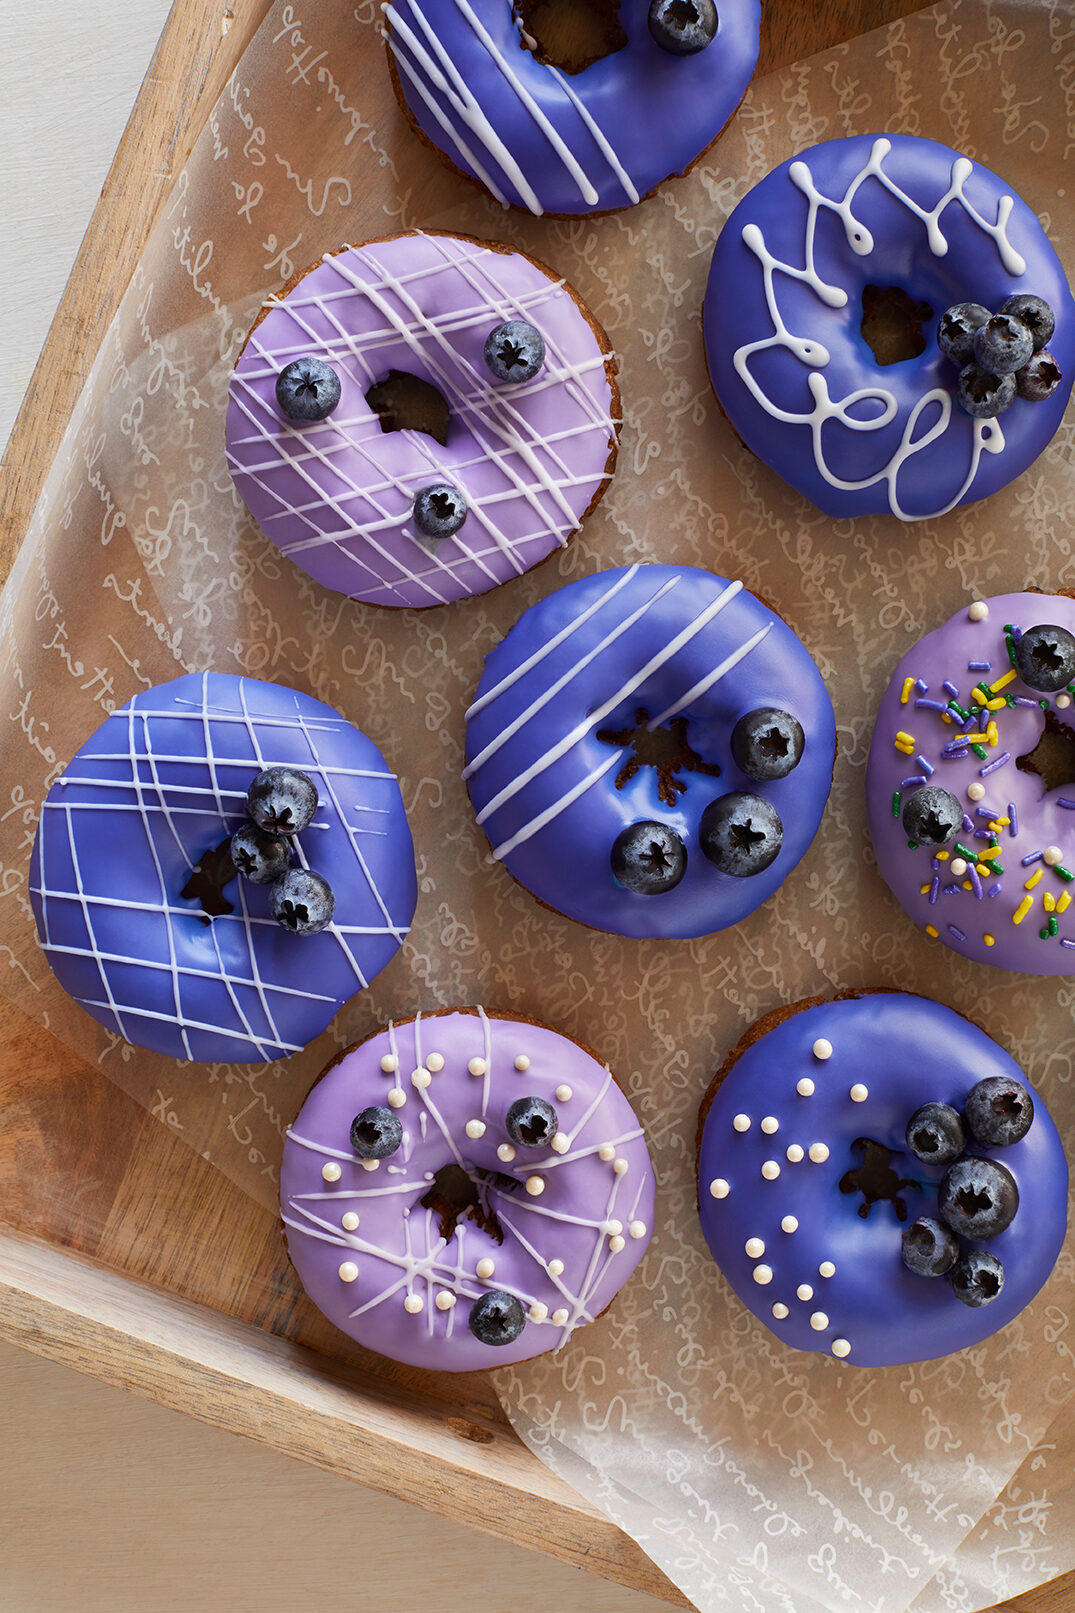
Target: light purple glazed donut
[(526, 459), (436, 1221), (561, 142), (959, 717)]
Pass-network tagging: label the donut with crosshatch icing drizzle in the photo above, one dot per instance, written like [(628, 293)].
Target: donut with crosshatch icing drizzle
[(960, 717), (139, 909), (526, 457), (807, 1182), (414, 1199), (560, 142), (791, 367), (604, 755)]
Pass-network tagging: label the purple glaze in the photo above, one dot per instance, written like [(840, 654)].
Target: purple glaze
[(545, 786), (337, 495), (775, 392), (161, 782), (553, 142), (1039, 819), (906, 1051), (593, 1214)]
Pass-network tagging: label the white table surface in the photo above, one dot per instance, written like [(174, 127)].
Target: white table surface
[(108, 1504)]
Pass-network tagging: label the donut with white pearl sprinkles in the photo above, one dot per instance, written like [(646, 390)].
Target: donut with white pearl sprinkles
[(462, 1190), (876, 1179)]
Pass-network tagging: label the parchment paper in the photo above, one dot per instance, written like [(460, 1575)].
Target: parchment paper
[(758, 1478)]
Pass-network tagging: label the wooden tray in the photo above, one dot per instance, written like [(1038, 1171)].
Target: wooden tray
[(133, 1293)]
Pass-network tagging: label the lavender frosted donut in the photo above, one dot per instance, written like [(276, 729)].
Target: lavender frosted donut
[(139, 907), (650, 751), (463, 1190), (514, 444), (814, 1184), (825, 240), (566, 142), (992, 873)]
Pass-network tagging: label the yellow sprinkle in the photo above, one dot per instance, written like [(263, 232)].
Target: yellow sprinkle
[(998, 824), (1002, 683), (980, 693), (1022, 910), (924, 890), (967, 886), (990, 940), (905, 692), (943, 856), (931, 932), (905, 750), (984, 869), (946, 716), (904, 739), (995, 705), (1048, 901), (1028, 884), (1063, 902), (991, 735), (990, 851)]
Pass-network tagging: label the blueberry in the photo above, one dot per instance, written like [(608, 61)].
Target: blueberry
[(282, 801), (956, 330), (998, 1111), (531, 1122), (648, 858), (260, 857), (1003, 344), (376, 1133), (977, 1197), (1045, 657), (683, 27), (929, 1247), (977, 1277), (983, 394), (1039, 378), (931, 816), (935, 1134), (307, 389), (1035, 314), (515, 351), (740, 834), (439, 510), (767, 743), (302, 901), (497, 1318)]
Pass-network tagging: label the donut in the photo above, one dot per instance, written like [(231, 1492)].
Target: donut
[(876, 1179), (650, 751), (417, 419), (970, 783), (134, 878), (475, 81), (463, 1190), (826, 326)]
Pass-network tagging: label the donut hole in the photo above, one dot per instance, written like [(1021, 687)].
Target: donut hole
[(210, 874), (892, 324), (570, 35), (1053, 757), (456, 1194), (876, 1179), (405, 402), (667, 750)]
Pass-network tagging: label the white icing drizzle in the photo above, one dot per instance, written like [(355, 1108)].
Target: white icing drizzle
[(987, 434)]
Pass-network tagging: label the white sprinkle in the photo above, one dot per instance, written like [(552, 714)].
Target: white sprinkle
[(826, 1269), (535, 1186), (1052, 855), (555, 1268), (606, 1152), (859, 1093), (413, 1304), (804, 1291), (1063, 701), (957, 867), (840, 1348), (331, 1172), (755, 1248), (435, 1062), (616, 1244), (637, 1229), (389, 1063), (780, 1310), (475, 1129), (819, 1321), (505, 1152), (794, 1153), (790, 1223), (522, 1062), (560, 1317), (444, 1301), (485, 1267), (477, 1067), (763, 1275), (978, 611), (619, 1167), (770, 1170), (538, 1311), (348, 1272), (350, 1221), (560, 1143), (741, 1122), (976, 791), (613, 1225), (719, 1188), (371, 1164), (822, 1048), (421, 1078), (397, 1098), (564, 1094), (819, 1153), (805, 1087), (770, 1124)]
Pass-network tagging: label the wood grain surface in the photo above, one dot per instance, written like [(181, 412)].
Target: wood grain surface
[(257, 1358)]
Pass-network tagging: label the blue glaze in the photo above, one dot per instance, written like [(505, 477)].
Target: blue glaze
[(137, 808), (628, 121), (907, 1051), (935, 477), (644, 610)]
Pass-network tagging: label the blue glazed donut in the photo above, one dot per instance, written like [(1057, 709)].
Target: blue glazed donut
[(554, 142), (807, 1223), (161, 784), (613, 704), (784, 305)]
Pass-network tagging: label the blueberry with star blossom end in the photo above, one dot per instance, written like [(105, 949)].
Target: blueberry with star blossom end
[(982, 393), (497, 1318), (741, 834), (258, 856), (977, 1197), (648, 858), (935, 1133), (956, 330), (1003, 344), (376, 1133), (1038, 379), (683, 27), (767, 743), (929, 1247), (1044, 657), (1035, 314), (531, 1122), (999, 1111), (307, 390), (977, 1277), (440, 510), (282, 800), (515, 351), (931, 815), (303, 902)]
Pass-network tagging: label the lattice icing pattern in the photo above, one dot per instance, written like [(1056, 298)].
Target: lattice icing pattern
[(162, 782), (559, 1227), (531, 458)]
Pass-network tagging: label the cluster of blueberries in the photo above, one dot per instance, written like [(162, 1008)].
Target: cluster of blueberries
[(282, 802), (496, 1317), (740, 833), (1000, 356), (977, 1198)]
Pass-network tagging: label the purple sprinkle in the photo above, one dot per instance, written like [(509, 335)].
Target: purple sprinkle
[(933, 889), (1013, 827), (985, 812), (951, 890), (984, 834), (991, 767), (984, 719), (950, 689), (927, 769), (968, 826), (1065, 801), (995, 890), (934, 705), (1034, 857), (1021, 700), (957, 933), (1064, 942), (1017, 633), (935, 863), (923, 688), (979, 666), (913, 782), (975, 883)]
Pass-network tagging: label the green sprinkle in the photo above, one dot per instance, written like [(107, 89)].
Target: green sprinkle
[(1044, 704), (980, 750), (971, 856), (895, 803), (964, 716), (996, 867), (912, 845), (1054, 924), (1065, 873), (1043, 934)]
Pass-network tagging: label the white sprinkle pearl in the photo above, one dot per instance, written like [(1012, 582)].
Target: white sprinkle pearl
[(371, 1164), (794, 1153), (819, 1153), (506, 1153), (535, 1186), (396, 1098), (555, 1268), (606, 1152), (790, 1223), (976, 791), (421, 1078), (1052, 855), (826, 1269), (350, 1221), (521, 1062), (822, 1048), (477, 1066), (741, 1122), (978, 611), (840, 1348), (859, 1093), (413, 1304), (1063, 701), (805, 1087), (780, 1310), (770, 1124), (485, 1267), (475, 1129), (560, 1317), (957, 867), (444, 1300), (619, 1167), (348, 1272), (563, 1094), (770, 1170), (616, 1244), (719, 1188), (804, 1291), (763, 1275), (389, 1063), (637, 1229), (755, 1248), (560, 1143), (613, 1226), (819, 1321), (331, 1172), (538, 1311), (435, 1062)]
